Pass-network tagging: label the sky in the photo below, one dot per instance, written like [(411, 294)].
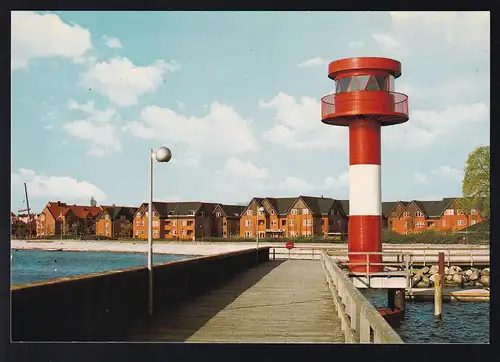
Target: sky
[(236, 97)]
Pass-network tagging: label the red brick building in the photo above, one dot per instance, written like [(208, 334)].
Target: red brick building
[(226, 220), (175, 220), (115, 221), (58, 217), (443, 215)]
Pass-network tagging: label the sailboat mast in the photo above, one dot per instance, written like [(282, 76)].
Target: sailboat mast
[(28, 207)]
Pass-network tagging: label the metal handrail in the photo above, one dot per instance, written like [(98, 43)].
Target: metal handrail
[(357, 315)]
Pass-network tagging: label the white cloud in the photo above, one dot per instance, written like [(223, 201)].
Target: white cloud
[(101, 137), (464, 31), (48, 127), (425, 126), (298, 125), (96, 128), (124, 82), (92, 113), (112, 42), (420, 177), (240, 169), (449, 172), (293, 186), (221, 131), (65, 188), (356, 44), (313, 62), (341, 181), (35, 35)]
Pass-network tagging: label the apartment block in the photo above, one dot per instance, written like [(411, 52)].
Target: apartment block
[(115, 221), (226, 220), (175, 220)]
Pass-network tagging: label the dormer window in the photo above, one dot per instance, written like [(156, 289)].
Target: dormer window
[(249, 212), (192, 212), (170, 213), (218, 214)]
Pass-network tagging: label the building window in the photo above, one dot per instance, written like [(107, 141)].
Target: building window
[(184, 232), (106, 217), (283, 222), (202, 213), (174, 232), (261, 213), (156, 223), (322, 222), (273, 222), (248, 223), (419, 214), (444, 222), (184, 222), (473, 222), (248, 234), (419, 224), (406, 224), (290, 222), (473, 212), (460, 212), (305, 211), (460, 222), (174, 223), (224, 223), (272, 212), (217, 214), (406, 214), (137, 223), (449, 212), (293, 211), (249, 212), (137, 233), (156, 233)]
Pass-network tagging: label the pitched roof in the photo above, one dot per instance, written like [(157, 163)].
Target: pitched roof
[(231, 210), (345, 206), (257, 199), (432, 208), (281, 204), (318, 205), (387, 207), (115, 212)]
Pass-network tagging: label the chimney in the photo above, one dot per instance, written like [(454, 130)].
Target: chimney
[(321, 196)]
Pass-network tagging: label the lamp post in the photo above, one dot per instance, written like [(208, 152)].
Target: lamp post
[(162, 154), (259, 210)]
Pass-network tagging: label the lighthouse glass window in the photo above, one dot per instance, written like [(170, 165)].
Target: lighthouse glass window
[(364, 83)]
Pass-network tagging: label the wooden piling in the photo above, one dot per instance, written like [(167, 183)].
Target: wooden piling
[(438, 298), (441, 268)]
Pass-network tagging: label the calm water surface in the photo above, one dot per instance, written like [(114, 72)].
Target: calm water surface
[(463, 322), (38, 265)]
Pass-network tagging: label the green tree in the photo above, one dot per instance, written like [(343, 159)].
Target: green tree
[(476, 182)]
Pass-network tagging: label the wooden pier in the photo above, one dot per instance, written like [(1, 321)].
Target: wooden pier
[(276, 302)]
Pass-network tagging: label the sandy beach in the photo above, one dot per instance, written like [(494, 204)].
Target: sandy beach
[(191, 248)]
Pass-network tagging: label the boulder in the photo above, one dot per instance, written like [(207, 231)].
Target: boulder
[(416, 279), (485, 280), (423, 284), (453, 270), (469, 272), (458, 268), (474, 275), (485, 271), (449, 277), (458, 279), (434, 270), (425, 270), (446, 270)]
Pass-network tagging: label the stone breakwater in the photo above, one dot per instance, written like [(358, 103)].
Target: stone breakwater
[(454, 276)]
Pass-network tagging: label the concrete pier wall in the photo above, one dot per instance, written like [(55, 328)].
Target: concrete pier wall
[(104, 306)]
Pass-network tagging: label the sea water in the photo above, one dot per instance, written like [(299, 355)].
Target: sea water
[(39, 265)]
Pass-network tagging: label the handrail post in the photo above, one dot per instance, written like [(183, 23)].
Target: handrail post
[(471, 258), (425, 254), (449, 258)]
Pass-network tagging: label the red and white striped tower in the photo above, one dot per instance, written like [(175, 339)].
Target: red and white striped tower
[(364, 100)]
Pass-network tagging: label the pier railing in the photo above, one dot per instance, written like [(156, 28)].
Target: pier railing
[(417, 256), (360, 320)]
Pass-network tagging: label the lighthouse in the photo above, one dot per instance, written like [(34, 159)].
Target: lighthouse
[(364, 100)]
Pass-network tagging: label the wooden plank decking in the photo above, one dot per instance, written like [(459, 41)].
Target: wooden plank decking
[(276, 302)]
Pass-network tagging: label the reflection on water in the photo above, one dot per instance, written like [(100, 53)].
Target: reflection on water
[(463, 322)]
